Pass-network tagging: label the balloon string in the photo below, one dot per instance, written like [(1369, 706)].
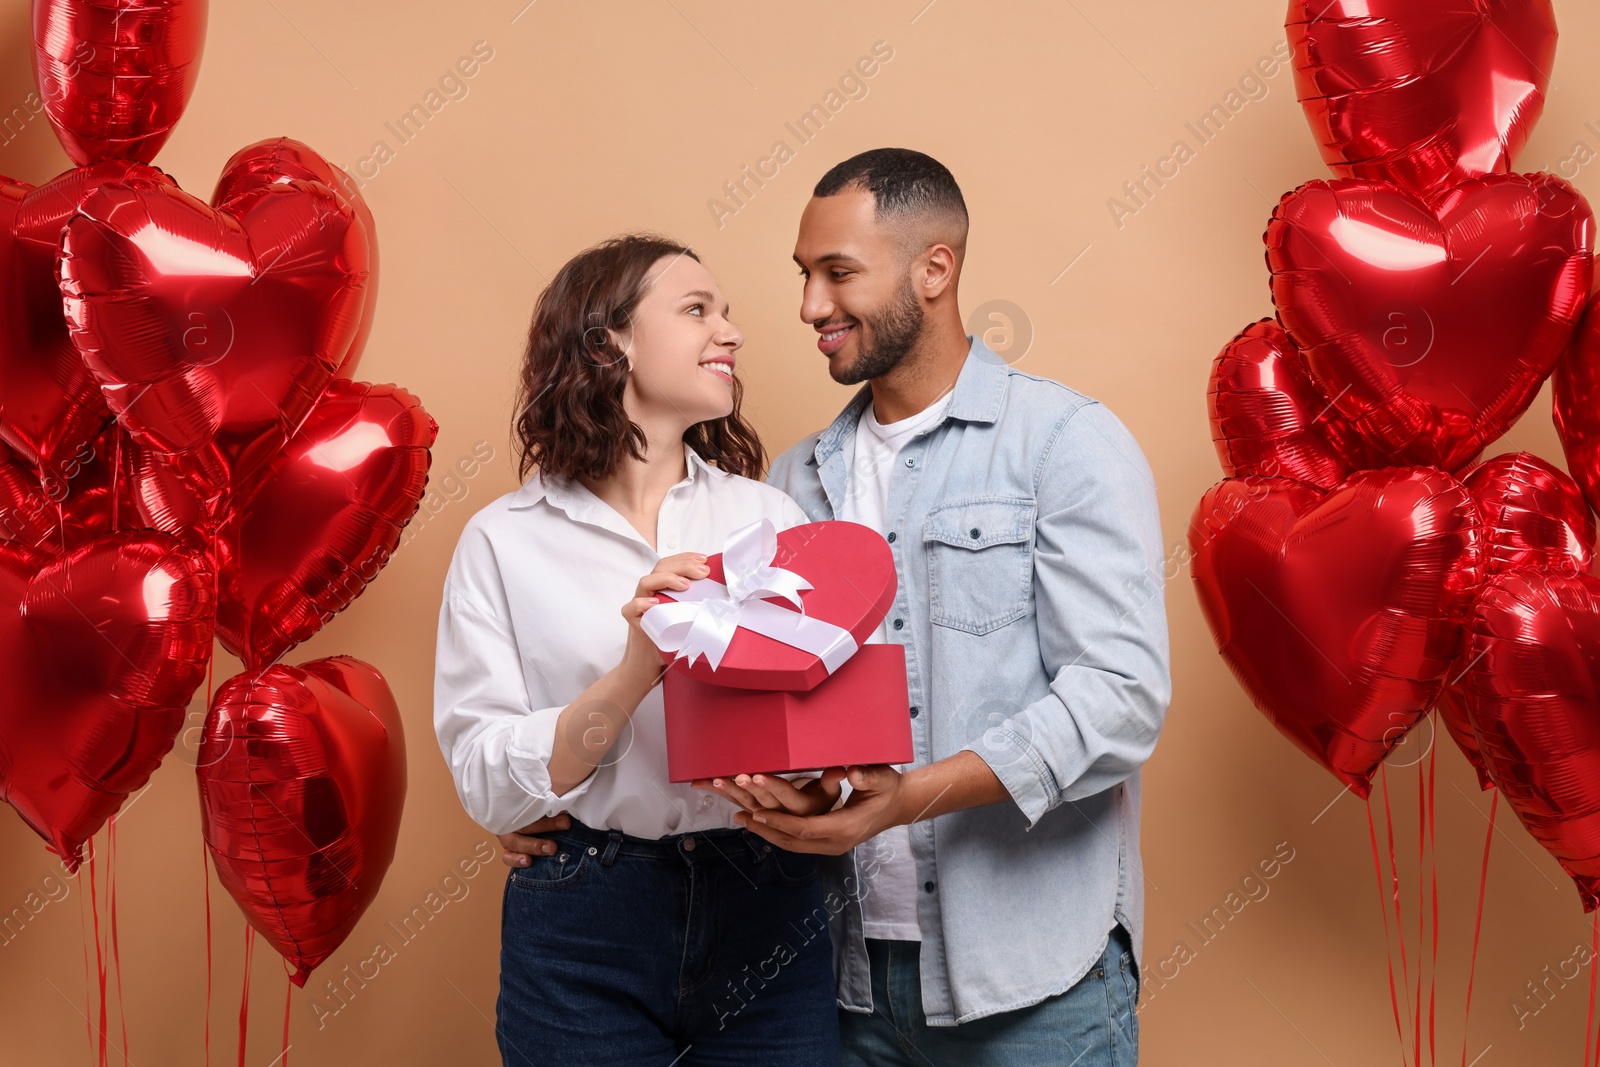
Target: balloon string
[(61, 515), (1477, 924), (1394, 876), (1433, 891), (244, 997), (99, 959), (205, 881), (116, 949), (1594, 966), (288, 1001), (1594, 950), (83, 930), (116, 474), (1383, 910), (1422, 915)]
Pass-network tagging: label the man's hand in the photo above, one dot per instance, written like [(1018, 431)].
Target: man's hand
[(768, 792), (517, 846), (877, 800)]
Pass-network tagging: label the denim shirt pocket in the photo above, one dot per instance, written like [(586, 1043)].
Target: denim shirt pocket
[(980, 561)]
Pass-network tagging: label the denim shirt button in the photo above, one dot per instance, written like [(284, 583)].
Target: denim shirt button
[(898, 623), (911, 462), (890, 538), (913, 711), (975, 533), (928, 886)]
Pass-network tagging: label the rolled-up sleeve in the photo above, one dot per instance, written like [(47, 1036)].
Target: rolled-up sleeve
[(495, 742), (1099, 592)]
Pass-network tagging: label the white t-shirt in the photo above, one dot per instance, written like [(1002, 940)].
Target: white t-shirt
[(889, 871)]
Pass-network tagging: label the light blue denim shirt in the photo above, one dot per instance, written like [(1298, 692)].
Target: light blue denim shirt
[(1031, 606)]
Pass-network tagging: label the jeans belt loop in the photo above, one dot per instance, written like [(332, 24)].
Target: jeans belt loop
[(613, 845)]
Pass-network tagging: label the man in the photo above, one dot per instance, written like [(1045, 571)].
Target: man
[(994, 897), (991, 892)]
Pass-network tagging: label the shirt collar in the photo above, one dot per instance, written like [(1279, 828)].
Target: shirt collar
[(568, 494), (976, 397)]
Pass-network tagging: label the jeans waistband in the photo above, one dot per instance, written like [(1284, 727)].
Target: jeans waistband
[(693, 845)]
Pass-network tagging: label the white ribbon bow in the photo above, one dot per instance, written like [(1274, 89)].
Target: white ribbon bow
[(704, 617)]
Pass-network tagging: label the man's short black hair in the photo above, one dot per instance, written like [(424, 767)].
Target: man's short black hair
[(901, 181)]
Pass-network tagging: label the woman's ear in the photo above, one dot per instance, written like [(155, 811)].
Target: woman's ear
[(622, 342)]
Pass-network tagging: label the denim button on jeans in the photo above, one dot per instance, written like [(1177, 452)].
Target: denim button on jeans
[(703, 948)]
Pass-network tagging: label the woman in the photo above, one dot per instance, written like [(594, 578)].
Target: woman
[(651, 929)]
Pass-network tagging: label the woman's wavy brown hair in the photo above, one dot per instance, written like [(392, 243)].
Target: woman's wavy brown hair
[(570, 419)]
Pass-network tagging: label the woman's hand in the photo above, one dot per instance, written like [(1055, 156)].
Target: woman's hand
[(517, 846), (642, 659), (764, 792)]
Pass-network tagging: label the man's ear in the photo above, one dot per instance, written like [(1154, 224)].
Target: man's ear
[(935, 272)]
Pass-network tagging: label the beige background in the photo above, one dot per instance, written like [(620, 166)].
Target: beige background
[(594, 118)]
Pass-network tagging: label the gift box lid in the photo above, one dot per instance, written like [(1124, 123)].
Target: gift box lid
[(850, 568)]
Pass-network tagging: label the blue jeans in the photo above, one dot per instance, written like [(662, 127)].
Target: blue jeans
[(696, 949), (1090, 1025)]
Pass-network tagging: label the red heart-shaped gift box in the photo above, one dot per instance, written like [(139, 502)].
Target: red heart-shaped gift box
[(851, 571), (771, 707)]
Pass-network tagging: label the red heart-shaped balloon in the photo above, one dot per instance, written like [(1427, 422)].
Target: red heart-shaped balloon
[(851, 571), (1340, 611), (176, 493), (1534, 516), (302, 775), (283, 159), (1431, 327), (1268, 419), (1423, 94), (1535, 707), (1577, 402), (116, 75), (27, 516), (212, 331), (100, 652), (50, 405), (73, 506), (325, 521)]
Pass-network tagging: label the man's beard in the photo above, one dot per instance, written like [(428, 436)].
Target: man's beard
[(893, 331)]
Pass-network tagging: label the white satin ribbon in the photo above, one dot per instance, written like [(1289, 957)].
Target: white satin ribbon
[(704, 617)]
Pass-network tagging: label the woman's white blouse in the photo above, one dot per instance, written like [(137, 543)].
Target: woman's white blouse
[(532, 616)]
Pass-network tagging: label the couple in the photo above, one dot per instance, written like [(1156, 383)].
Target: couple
[(981, 905)]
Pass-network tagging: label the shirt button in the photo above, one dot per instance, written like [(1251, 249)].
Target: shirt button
[(928, 886), (898, 623), (975, 533), (911, 462), (672, 544), (913, 711), (890, 538)]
